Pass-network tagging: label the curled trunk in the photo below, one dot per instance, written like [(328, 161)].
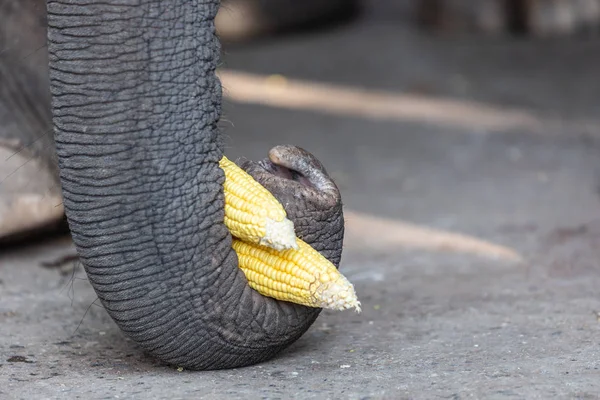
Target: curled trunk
[(135, 104)]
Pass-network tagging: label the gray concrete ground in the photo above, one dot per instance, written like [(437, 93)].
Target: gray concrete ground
[(442, 318)]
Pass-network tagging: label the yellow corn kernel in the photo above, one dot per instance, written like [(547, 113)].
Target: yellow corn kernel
[(252, 213), (301, 276)]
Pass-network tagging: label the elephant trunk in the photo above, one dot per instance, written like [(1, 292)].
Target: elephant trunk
[(135, 105)]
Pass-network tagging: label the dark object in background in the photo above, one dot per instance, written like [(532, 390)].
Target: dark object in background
[(241, 20), (532, 17)]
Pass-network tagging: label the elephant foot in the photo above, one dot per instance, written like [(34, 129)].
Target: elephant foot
[(240, 20), (534, 17), (30, 197)]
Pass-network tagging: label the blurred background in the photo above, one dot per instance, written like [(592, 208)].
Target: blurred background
[(464, 136), (478, 117)]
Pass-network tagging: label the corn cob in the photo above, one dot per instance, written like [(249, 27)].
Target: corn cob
[(252, 213), (301, 276)]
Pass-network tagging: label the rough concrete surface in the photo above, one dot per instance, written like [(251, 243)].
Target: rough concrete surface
[(441, 318)]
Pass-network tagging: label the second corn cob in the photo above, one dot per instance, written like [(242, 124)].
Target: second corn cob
[(301, 276)]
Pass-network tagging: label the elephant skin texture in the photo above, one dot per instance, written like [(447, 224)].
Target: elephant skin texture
[(135, 105)]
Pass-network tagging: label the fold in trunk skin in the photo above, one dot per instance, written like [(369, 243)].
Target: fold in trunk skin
[(135, 104)]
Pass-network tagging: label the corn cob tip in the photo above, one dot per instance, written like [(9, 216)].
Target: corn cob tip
[(337, 295), (279, 235)]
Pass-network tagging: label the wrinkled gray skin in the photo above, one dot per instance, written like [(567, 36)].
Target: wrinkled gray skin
[(301, 183), (136, 105)]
